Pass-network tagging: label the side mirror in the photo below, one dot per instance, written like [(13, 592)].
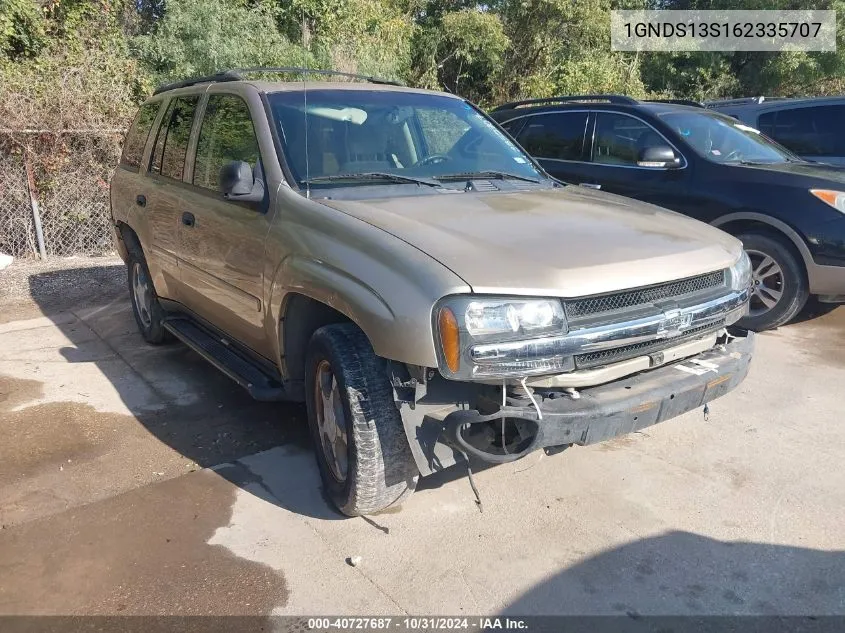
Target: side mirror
[(660, 156), (239, 184)]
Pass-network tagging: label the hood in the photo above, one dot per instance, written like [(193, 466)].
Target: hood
[(566, 242), (805, 174)]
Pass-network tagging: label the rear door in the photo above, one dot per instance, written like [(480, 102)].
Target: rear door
[(616, 142), (222, 241), (162, 194), (556, 140), (813, 132)]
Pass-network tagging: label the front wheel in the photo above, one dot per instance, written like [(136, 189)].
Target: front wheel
[(362, 452), (779, 283)]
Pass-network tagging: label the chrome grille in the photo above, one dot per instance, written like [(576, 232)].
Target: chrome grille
[(589, 306), (609, 356)]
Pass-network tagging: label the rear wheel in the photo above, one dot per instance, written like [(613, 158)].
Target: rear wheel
[(779, 287), (145, 306), (361, 448)]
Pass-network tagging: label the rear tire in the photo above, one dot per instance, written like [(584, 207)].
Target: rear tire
[(371, 467), (147, 310), (780, 288)]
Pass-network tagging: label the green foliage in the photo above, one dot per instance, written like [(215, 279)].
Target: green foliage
[(200, 37), (21, 30), (462, 52), (712, 75), (87, 63), (81, 74), (562, 47)]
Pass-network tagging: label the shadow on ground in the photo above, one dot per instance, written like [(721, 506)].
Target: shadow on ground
[(175, 394), (683, 573), (815, 309)]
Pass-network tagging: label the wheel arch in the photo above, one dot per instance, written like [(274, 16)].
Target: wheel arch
[(736, 223), (307, 294), (128, 240)]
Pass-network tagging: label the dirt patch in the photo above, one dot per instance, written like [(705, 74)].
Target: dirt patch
[(143, 552), (48, 435), (16, 391)]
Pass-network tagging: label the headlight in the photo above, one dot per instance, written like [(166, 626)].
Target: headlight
[(740, 273), (480, 336), (835, 199), (485, 318)]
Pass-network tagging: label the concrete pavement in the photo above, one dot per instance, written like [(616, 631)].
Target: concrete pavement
[(138, 480)]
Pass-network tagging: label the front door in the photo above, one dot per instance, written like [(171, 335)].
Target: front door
[(618, 140), (223, 241)]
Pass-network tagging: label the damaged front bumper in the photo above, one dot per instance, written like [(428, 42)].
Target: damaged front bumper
[(557, 418)]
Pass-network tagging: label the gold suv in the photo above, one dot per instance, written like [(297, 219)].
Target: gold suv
[(393, 259)]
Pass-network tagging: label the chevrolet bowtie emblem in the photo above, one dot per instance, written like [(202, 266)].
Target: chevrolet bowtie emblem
[(674, 322)]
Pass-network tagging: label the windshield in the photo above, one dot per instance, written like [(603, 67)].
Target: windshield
[(722, 139), (377, 135)]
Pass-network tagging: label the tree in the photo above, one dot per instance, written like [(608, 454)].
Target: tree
[(201, 37)]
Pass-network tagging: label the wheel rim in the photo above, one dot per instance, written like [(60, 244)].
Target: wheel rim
[(143, 294), (767, 283), (331, 421)]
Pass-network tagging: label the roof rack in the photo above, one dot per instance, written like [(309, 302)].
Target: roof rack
[(741, 101), (237, 74), (621, 99), (686, 102)]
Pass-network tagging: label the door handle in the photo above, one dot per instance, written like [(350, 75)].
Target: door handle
[(590, 185), (141, 200), (188, 218)]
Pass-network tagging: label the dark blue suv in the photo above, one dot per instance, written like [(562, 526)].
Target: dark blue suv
[(789, 213)]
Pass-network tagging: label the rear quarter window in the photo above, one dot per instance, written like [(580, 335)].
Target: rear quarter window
[(139, 132)]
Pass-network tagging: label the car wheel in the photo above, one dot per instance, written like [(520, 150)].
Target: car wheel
[(148, 312), (362, 452), (779, 282)]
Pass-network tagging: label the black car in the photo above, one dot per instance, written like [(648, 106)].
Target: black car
[(789, 213)]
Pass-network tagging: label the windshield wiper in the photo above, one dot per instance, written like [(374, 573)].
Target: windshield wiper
[(374, 176), (486, 174), (745, 161)]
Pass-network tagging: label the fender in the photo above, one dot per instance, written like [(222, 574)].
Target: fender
[(783, 227), (336, 288)]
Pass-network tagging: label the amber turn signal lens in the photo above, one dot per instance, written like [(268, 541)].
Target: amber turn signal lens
[(449, 339)]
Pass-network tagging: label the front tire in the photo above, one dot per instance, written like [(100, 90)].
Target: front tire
[(779, 282), (362, 452)]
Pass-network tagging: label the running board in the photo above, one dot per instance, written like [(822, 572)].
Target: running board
[(237, 366)]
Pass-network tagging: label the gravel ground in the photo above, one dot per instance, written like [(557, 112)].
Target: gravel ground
[(31, 287)]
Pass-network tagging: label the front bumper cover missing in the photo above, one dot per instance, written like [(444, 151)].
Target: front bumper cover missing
[(614, 409)]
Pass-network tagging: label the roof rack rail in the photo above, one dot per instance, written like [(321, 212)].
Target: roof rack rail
[(741, 101), (237, 74), (621, 99), (686, 102), (184, 83)]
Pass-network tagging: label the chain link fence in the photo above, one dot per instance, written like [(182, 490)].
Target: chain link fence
[(63, 178)]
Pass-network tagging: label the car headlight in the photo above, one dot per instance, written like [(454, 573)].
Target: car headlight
[(488, 337), (740, 273), (835, 199)]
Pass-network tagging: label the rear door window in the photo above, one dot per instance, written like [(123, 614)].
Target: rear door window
[(227, 135), (558, 135), (136, 138), (810, 131), (172, 142)]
